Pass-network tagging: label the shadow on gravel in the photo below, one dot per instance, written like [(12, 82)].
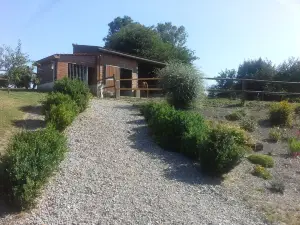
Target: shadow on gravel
[(180, 168), (29, 124), (265, 123), (32, 109)]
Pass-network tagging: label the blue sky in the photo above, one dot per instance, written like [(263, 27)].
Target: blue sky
[(222, 32)]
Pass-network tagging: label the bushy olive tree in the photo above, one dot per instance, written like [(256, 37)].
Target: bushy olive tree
[(181, 83)]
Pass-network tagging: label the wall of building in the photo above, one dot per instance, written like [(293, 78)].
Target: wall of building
[(45, 72)]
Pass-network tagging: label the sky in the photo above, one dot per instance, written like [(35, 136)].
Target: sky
[(223, 33)]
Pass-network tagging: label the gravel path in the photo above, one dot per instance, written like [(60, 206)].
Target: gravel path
[(115, 174)]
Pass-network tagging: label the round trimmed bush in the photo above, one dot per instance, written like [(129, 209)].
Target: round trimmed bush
[(76, 89), (31, 158), (221, 151), (181, 83), (54, 99), (62, 115)]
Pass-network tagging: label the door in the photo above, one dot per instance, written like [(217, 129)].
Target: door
[(110, 72)]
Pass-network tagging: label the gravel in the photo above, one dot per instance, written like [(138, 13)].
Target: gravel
[(115, 174)]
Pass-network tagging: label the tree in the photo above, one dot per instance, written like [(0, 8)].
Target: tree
[(226, 84), (289, 71), (174, 35), (116, 25), (15, 64), (257, 69), (163, 42)]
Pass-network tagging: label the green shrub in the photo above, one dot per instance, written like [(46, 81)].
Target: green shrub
[(30, 160), (294, 145), (262, 172), (175, 130), (248, 124), (54, 99), (62, 115), (221, 151), (281, 113), (76, 89), (275, 134), (236, 115), (263, 160), (181, 83)]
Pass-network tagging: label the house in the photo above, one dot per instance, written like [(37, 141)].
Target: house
[(92, 64)]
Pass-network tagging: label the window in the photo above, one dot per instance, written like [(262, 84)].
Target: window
[(78, 72)]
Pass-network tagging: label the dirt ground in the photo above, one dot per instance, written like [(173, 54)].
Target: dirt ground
[(255, 191)]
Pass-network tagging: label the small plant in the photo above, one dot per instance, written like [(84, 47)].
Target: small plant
[(236, 115), (281, 113), (62, 115), (277, 186), (248, 124), (263, 160), (275, 134), (262, 172), (30, 160), (294, 145)]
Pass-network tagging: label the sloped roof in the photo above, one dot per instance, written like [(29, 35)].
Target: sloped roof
[(94, 49)]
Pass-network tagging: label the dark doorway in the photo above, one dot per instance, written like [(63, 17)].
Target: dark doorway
[(126, 74), (92, 79)]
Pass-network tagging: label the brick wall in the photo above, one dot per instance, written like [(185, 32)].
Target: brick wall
[(62, 70)]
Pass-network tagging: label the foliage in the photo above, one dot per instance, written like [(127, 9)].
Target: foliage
[(15, 63), (76, 89), (281, 113), (260, 69), (225, 84), (275, 134), (62, 115), (277, 186), (261, 172), (263, 160), (294, 145), (163, 42), (221, 151), (236, 115), (116, 25), (248, 124), (181, 83), (175, 130), (55, 99), (30, 160), (297, 109)]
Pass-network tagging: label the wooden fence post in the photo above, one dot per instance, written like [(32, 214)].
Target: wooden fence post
[(117, 88)]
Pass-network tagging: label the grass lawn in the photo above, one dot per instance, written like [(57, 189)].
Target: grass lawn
[(12, 107)]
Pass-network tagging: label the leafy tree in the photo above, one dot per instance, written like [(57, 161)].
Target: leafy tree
[(225, 84), (15, 64), (174, 35), (116, 25), (288, 71), (162, 43)]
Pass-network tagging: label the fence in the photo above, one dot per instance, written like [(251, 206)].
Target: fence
[(243, 91)]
